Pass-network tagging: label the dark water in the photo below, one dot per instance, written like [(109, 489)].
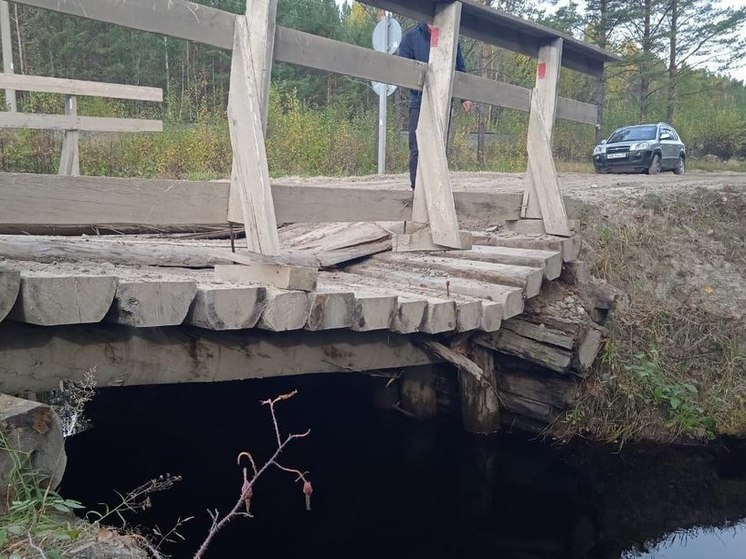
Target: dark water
[(386, 486)]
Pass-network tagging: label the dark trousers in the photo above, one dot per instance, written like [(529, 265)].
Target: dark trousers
[(414, 153)]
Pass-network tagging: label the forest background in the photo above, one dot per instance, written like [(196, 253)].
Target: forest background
[(675, 55)]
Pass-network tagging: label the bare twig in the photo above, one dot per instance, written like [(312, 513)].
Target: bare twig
[(247, 487)]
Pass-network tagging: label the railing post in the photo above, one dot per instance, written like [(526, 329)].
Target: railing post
[(250, 175), (433, 197), (542, 196), (10, 94), (70, 158), (261, 16)]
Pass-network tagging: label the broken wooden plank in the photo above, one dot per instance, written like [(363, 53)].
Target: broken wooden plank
[(227, 308), (10, 283), (331, 309), (423, 241), (529, 279), (540, 333), (149, 303), (549, 261), (48, 300), (510, 297), (277, 275)]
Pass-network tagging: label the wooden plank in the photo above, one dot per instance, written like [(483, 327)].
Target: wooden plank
[(312, 51), (542, 195), (554, 390), (134, 356), (422, 240), (410, 308), (434, 181), (261, 23), (277, 275), (39, 121), (48, 199), (510, 297), (70, 158), (549, 261), (433, 197), (149, 303), (373, 311), (331, 309), (25, 82), (480, 404), (285, 310), (10, 283), (529, 279), (484, 90), (577, 111), (553, 358), (540, 333), (226, 307), (28, 199), (250, 174), (568, 247), (48, 300)]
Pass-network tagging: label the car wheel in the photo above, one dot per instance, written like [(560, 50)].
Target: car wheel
[(655, 165), (680, 168)]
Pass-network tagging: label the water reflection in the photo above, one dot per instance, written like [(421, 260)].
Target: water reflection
[(386, 486)]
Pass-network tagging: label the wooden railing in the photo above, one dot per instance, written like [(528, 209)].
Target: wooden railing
[(71, 123), (256, 42)]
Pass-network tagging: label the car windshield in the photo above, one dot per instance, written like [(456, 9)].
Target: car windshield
[(633, 134)]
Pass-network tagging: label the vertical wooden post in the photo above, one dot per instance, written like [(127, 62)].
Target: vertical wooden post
[(250, 175), (261, 16), (10, 94), (70, 158), (418, 394), (433, 198), (480, 407), (542, 196)]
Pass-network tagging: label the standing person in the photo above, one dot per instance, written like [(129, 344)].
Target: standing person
[(415, 44)]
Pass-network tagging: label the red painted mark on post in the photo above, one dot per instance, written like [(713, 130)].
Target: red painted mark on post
[(434, 36), (541, 70)]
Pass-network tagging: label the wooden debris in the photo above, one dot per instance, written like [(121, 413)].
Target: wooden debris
[(284, 310)]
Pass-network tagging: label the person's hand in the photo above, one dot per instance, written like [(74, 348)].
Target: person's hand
[(466, 105)]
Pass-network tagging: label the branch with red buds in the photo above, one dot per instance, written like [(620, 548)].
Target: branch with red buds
[(247, 488)]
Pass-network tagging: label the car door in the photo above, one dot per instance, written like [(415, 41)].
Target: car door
[(669, 147)]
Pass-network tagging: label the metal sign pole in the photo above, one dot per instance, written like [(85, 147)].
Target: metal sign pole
[(382, 110)]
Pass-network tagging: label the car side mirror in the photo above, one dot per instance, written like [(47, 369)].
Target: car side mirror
[(665, 136), (603, 142)]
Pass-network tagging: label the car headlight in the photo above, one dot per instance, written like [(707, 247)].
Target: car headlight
[(598, 149), (640, 146)]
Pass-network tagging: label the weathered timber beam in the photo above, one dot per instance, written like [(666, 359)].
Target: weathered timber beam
[(84, 123), (27, 199), (65, 86), (194, 22), (36, 359)]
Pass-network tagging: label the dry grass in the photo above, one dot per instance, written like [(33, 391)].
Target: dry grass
[(675, 364)]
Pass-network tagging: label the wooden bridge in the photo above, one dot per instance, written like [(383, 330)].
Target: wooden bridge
[(360, 276)]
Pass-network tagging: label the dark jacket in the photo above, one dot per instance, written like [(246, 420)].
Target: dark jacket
[(415, 44)]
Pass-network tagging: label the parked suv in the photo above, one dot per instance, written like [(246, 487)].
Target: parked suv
[(650, 148)]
